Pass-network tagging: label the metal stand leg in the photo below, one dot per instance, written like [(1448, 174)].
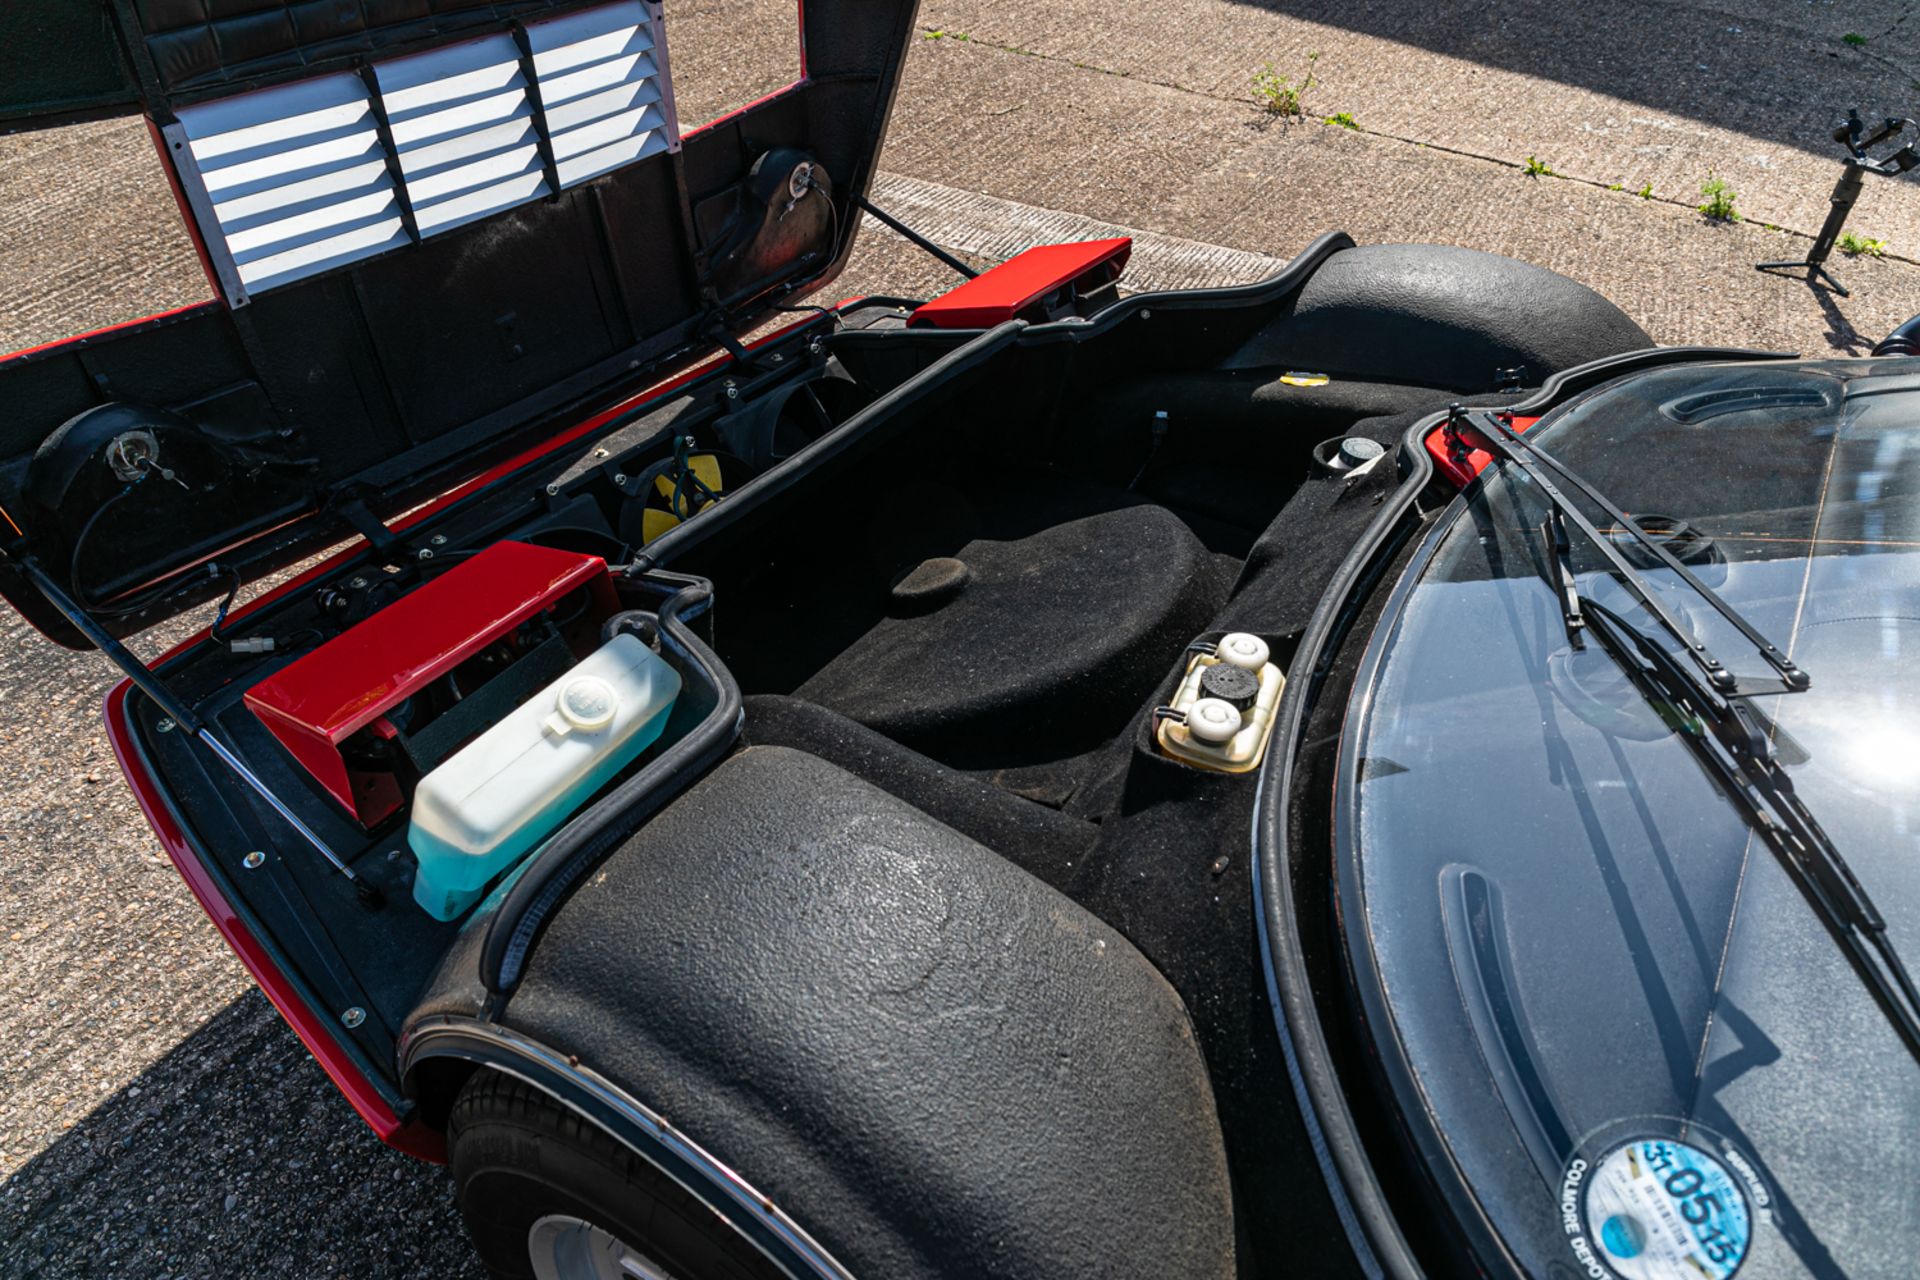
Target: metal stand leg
[(1845, 192)]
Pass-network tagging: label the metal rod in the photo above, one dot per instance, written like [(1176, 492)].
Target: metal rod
[(279, 806), (172, 707), (915, 236)]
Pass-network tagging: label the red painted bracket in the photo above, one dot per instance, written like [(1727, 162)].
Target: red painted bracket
[(996, 296), (1463, 470), (316, 702)]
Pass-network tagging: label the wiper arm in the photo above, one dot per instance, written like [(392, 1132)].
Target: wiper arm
[(1560, 560), (1529, 458), (1736, 751)]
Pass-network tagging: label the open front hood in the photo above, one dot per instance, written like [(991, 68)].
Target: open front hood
[(437, 231)]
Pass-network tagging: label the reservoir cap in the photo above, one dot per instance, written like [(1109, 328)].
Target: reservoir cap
[(588, 703), (1243, 650), (1233, 685), (1212, 721)]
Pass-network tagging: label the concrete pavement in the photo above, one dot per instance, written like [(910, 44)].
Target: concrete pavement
[(157, 1119)]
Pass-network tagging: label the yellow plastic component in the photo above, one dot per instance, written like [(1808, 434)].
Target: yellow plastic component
[(654, 522), (1241, 753), (705, 468), (1294, 379)]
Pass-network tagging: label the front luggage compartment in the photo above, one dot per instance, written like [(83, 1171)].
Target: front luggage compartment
[(961, 568)]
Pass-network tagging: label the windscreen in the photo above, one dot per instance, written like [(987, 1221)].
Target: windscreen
[(1642, 1051)]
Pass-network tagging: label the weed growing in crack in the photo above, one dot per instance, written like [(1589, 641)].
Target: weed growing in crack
[(1277, 93), (1718, 205), (1535, 167), (1855, 245)]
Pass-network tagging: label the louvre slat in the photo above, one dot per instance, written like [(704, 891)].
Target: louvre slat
[(593, 163), (463, 70), (597, 106), (336, 184), (505, 164), (474, 113), (421, 160), (601, 132), (305, 260), (448, 214), (551, 56), (322, 219), (601, 75)]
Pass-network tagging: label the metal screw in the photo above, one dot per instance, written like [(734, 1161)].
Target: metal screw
[(599, 453), (353, 1017), (619, 480), (164, 726), (424, 553), (733, 392), (1146, 314), (553, 489), (438, 539), (253, 860), (778, 358), (357, 583), (816, 346)]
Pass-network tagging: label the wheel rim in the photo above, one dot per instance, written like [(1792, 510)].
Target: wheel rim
[(562, 1247)]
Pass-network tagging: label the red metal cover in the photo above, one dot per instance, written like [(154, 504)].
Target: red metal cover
[(315, 703), (996, 296), (1476, 459)]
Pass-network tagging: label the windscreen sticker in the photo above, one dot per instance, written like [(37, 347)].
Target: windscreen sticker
[(1655, 1209)]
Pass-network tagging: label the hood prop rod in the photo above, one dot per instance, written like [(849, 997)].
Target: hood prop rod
[(178, 712), (912, 235)]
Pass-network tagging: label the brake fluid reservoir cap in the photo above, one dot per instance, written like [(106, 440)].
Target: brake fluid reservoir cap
[(1357, 450), (588, 703), (1243, 650), (1236, 686), (1212, 720)]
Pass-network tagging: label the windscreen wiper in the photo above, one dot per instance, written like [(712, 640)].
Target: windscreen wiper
[(1730, 742), (1534, 462), (1726, 734)]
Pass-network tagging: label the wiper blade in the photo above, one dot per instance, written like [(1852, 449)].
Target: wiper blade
[(1534, 462), (1736, 751)]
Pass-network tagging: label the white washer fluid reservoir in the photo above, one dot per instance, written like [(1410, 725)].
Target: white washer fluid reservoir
[(507, 790)]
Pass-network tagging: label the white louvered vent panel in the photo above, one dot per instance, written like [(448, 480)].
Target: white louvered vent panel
[(463, 126), (290, 181), (601, 87), (296, 178)]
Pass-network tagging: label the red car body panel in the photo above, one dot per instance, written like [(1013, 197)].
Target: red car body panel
[(315, 1032), (998, 295), (314, 703), (1462, 471)]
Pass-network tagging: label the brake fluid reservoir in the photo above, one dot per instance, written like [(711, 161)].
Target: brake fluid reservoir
[(507, 790)]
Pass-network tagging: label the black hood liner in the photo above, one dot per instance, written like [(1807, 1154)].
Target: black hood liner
[(392, 380)]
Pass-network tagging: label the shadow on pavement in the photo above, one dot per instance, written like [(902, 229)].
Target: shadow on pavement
[(1772, 79), (232, 1156)]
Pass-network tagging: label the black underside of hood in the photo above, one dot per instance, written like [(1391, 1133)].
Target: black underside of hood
[(258, 427)]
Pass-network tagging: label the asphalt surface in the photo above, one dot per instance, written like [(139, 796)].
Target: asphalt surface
[(156, 1119)]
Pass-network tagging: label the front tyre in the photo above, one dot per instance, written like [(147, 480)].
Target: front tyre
[(548, 1196)]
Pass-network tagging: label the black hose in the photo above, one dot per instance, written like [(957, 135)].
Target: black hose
[(1904, 341)]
